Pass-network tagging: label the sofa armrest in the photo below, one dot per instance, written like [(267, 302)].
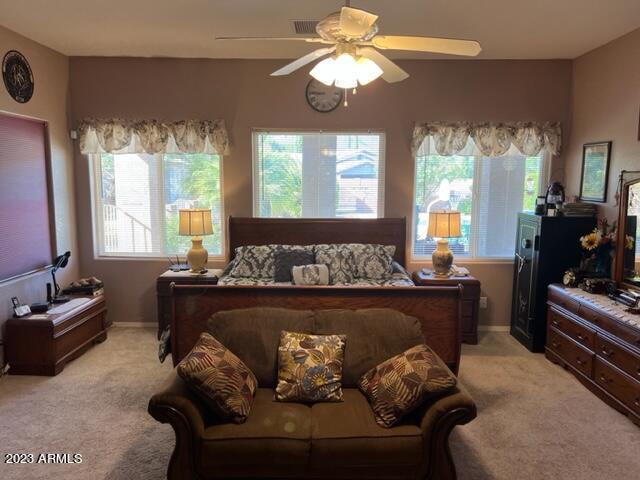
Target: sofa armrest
[(174, 401), (439, 418)]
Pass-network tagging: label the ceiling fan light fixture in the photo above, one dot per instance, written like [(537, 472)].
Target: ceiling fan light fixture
[(346, 71), (367, 71), (325, 71)]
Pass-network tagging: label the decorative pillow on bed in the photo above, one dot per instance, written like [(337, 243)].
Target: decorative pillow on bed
[(401, 384), (373, 261), (310, 367), (254, 261), (220, 378), (317, 274), (287, 258), (339, 259)]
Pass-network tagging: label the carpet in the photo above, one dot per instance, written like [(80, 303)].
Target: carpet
[(535, 421)]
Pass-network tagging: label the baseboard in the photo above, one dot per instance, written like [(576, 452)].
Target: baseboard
[(135, 324), (493, 328)]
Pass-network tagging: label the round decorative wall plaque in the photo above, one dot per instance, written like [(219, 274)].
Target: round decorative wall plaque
[(17, 76)]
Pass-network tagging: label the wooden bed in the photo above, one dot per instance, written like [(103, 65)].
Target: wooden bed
[(439, 309)]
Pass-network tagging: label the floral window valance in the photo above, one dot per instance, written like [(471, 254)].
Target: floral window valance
[(153, 136), (492, 139)]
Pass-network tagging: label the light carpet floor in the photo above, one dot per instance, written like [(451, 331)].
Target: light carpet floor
[(535, 421)]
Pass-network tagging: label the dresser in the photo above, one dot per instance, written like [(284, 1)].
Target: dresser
[(470, 299), (545, 248), (599, 343)]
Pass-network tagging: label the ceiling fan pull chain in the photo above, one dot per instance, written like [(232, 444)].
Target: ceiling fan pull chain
[(346, 104), (354, 91)]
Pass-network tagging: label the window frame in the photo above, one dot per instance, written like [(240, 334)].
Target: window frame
[(97, 219), (472, 257), (255, 176)]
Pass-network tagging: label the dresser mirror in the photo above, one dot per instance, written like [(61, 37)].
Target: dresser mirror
[(627, 270)]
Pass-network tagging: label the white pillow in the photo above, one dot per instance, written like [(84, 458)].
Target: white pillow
[(314, 274)]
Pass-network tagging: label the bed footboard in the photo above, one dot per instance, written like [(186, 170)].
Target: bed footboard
[(439, 309)]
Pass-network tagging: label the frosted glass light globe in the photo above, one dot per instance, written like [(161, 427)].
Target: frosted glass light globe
[(346, 71), (325, 71), (367, 71)]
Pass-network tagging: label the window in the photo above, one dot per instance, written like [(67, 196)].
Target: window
[(318, 174), (137, 198), (488, 191)]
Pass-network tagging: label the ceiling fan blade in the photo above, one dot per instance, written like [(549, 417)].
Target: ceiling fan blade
[(451, 46), (302, 61), (278, 39), (390, 71), (355, 22)]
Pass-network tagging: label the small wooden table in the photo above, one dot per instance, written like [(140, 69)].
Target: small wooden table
[(42, 344), (163, 290), (470, 300)]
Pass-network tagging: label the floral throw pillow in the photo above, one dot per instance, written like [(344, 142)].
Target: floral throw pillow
[(315, 274), (401, 384), (373, 261), (219, 378), (310, 367), (257, 261), (339, 259)]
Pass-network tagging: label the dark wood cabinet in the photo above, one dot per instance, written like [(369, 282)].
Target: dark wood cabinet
[(545, 248)]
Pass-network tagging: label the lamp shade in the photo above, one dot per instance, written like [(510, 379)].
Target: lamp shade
[(194, 222), (444, 224)]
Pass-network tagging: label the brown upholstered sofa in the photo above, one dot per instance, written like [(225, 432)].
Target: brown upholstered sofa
[(323, 440)]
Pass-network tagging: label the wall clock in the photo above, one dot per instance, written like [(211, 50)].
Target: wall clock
[(323, 98), (17, 76)]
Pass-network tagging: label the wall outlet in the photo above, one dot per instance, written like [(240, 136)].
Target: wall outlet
[(483, 302)]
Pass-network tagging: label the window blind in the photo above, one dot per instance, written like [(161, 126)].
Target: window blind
[(139, 196), (313, 174), (25, 228), (488, 191)]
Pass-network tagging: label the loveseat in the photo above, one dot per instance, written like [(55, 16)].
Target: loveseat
[(322, 440)]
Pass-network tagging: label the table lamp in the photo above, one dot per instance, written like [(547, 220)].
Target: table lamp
[(194, 223), (443, 224)]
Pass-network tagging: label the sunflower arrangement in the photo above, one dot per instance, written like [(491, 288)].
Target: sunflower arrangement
[(597, 246)]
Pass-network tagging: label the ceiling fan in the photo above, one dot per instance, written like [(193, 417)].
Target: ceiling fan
[(351, 36)]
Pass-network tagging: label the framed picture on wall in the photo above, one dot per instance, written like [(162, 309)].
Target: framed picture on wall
[(595, 171)]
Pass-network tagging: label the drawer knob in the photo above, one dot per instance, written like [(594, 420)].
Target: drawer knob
[(604, 379), (637, 402), (555, 322), (607, 353), (581, 338), (580, 362), (555, 344)]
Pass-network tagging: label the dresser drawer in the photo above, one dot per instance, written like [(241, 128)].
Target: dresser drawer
[(563, 301), (623, 358), (615, 328), (579, 332), (577, 356), (618, 384)]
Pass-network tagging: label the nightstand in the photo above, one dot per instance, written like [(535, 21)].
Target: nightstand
[(163, 290), (470, 300)]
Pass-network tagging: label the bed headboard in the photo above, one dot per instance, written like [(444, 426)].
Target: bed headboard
[(309, 231)]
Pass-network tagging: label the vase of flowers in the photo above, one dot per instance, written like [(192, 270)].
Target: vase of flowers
[(597, 247)]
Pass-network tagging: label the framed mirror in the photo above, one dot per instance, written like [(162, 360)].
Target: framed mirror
[(627, 272)]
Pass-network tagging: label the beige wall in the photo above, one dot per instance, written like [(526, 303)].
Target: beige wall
[(606, 106), (243, 94), (49, 102)]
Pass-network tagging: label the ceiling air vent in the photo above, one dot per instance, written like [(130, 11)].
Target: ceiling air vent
[(304, 27)]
